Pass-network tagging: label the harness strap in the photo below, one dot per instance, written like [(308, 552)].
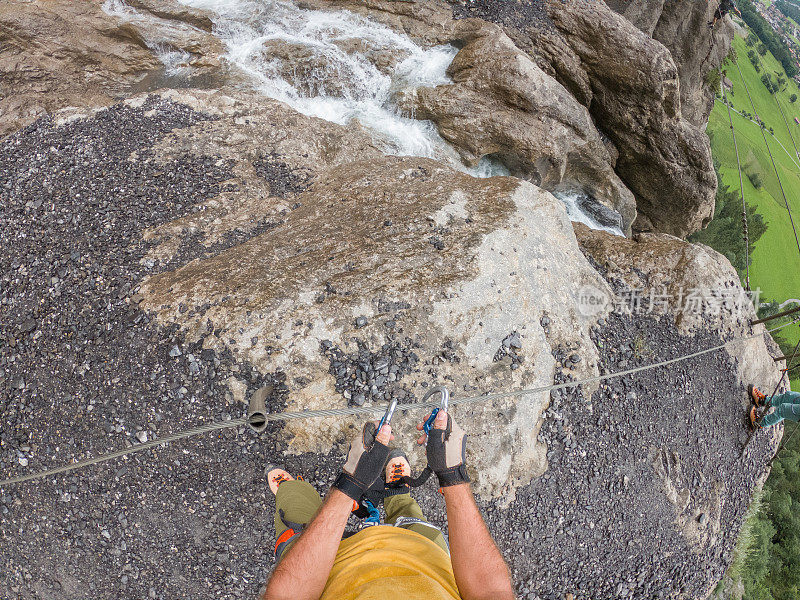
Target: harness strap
[(298, 527), (294, 529), (283, 541), (405, 522)]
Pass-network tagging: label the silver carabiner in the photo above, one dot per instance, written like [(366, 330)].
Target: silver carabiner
[(387, 416), (426, 427)]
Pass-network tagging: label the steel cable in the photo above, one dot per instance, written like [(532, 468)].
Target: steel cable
[(368, 410), (741, 189)]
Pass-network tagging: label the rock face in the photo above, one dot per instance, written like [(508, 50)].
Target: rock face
[(180, 37), (683, 28), (171, 254), (694, 284), (636, 101), (633, 87), (313, 263), (339, 276), (502, 104), (444, 264), (644, 100), (172, 10), (59, 53)]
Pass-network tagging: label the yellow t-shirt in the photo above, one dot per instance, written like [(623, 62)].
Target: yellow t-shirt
[(386, 563)]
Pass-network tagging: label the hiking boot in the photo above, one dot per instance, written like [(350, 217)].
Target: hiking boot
[(754, 418), (397, 468), (757, 396), (276, 476)]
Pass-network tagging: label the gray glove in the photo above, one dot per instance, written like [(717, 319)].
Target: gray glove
[(446, 450), (365, 461)]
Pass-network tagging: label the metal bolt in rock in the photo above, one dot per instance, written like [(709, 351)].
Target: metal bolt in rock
[(257, 411)]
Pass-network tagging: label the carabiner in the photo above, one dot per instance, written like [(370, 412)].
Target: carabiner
[(387, 416), (428, 425)]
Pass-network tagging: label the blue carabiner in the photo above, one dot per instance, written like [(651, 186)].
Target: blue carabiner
[(374, 515), (428, 425)]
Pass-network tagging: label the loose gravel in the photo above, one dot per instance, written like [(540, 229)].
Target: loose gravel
[(519, 14), (597, 525), (84, 371), (363, 375)]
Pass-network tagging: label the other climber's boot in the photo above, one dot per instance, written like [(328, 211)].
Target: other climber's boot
[(757, 396)]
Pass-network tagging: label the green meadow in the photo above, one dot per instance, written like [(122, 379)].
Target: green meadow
[(775, 266)]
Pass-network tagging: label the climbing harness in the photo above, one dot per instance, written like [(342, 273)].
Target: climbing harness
[(406, 522), (745, 232), (374, 518), (373, 515), (371, 410), (284, 539)]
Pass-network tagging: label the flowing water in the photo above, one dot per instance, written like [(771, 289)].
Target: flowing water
[(155, 31), (334, 65), (338, 66), (583, 209)]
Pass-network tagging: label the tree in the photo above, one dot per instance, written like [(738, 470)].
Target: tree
[(768, 37), (762, 49), (769, 83), (755, 179), (759, 558), (724, 233), (793, 98), (713, 79), (790, 10)]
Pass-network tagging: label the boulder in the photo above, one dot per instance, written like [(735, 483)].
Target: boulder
[(694, 284), (663, 276), (376, 257), (502, 104), (428, 22), (636, 101), (633, 89), (58, 53), (179, 36), (683, 28), (172, 10)]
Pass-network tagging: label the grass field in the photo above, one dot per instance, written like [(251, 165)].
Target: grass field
[(776, 260)]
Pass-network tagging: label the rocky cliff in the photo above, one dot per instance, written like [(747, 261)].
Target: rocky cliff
[(683, 28), (172, 253)]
